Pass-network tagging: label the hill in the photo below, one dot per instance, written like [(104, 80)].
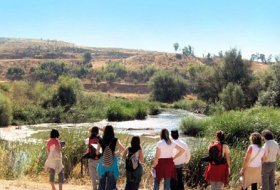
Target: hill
[(28, 53)]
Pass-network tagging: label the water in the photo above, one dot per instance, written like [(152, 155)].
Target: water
[(169, 119)]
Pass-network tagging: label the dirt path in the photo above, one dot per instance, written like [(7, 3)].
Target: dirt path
[(27, 185)]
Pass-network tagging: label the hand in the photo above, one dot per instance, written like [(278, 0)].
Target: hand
[(117, 154), (242, 171)]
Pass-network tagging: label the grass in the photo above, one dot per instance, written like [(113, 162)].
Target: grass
[(237, 125)]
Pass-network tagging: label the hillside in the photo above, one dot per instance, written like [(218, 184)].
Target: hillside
[(28, 53)]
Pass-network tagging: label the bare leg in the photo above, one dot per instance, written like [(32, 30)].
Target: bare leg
[(53, 187), (60, 186)]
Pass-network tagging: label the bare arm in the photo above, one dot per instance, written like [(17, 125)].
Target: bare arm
[(98, 149), (227, 156), (245, 162), (120, 147), (180, 150), (141, 156), (156, 157), (124, 154)]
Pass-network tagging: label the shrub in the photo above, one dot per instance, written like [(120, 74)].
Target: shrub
[(141, 113), (29, 114), (15, 73), (232, 97), (192, 126), (191, 105), (116, 68), (167, 87), (5, 111)]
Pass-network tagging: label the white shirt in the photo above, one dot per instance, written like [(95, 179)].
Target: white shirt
[(272, 150), (256, 156), (184, 158), (166, 150)]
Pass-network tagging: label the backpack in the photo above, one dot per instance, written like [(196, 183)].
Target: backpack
[(92, 145), (215, 156), (132, 161), (107, 157)]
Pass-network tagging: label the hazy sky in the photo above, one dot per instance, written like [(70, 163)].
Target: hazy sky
[(207, 25)]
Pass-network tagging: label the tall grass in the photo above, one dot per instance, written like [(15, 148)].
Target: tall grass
[(238, 125)]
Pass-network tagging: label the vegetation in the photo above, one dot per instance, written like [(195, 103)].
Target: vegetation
[(15, 73), (5, 111), (167, 87)]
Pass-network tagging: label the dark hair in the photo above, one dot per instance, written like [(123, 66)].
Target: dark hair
[(94, 132), (220, 135), (164, 135), (135, 143), (54, 133), (175, 134), (108, 134), (267, 134), (256, 139)]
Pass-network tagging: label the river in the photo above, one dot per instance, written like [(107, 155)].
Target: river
[(151, 126)]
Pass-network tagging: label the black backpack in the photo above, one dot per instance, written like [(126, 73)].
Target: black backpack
[(132, 161), (215, 156)]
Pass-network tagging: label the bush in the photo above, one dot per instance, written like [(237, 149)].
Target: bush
[(15, 73), (238, 125), (232, 97), (197, 106), (29, 114), (5, 111), (192, 126), (167, 87)]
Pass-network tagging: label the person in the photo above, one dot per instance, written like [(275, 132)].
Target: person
[(107, 167), (134, 157), (53, 163), (251, 169), (179, 162), (271, 151), (217, 173), (163, 163), (93, 159)]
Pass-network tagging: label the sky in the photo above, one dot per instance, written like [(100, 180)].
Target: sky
[(207, 25)]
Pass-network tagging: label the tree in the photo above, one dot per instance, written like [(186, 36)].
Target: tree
[(176, 46), (15, 73), (69, 90), (5, 111), (188, 51), (235, 70), (167, 87), (262, 58), (87, 58), (232, 97)]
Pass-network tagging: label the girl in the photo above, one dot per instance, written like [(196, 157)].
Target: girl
[(217, 173), (163, 163), (108, 167), (251, 170), (134, 157), (54, 161)]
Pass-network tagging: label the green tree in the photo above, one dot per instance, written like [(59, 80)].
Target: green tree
[(188, 51), (87, 58), (232, 97), (235, 70), (176, 46), (5, 111), (69, 89), (167, 87), (15, 73), (49, 71)]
